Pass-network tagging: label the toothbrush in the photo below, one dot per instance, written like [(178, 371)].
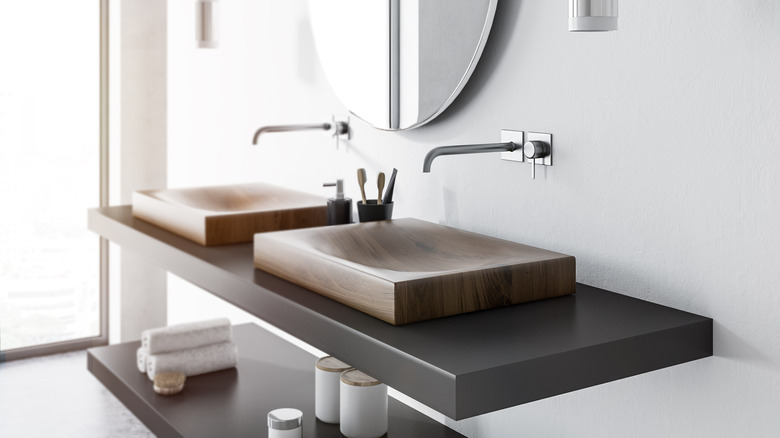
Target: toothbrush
[(388, 198), (380, 184), (362, 181)]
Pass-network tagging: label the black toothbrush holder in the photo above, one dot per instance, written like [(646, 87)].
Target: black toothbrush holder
[(371, 211)]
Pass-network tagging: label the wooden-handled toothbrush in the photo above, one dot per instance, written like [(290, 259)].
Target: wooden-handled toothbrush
[(361, 173), (380, 184)]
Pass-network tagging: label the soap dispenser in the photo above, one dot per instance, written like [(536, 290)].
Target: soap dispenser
[(339, 208)]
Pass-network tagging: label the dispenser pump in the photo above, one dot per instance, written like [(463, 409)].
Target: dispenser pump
[(339, 184), (339, 189)]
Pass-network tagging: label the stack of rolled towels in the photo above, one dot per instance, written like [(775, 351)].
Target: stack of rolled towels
[(192, 348)]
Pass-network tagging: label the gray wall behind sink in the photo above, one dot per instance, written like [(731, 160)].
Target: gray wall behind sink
[(665, 184)]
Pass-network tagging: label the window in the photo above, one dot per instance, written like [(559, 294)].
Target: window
[(49, 173)]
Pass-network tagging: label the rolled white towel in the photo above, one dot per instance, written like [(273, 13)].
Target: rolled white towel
[(194, 361), (187, 335), (141, 359)]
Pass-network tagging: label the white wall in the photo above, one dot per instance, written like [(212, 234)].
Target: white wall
[(143, 156), (665, 184)]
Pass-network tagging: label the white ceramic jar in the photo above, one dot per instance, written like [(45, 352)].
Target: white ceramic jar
[(363, 405), (285, 423), (327, 376)]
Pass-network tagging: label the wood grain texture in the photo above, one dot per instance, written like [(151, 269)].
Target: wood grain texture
[(222, 215), (408, 270)]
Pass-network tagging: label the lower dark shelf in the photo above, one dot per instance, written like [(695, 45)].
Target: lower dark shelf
[(271, 374)]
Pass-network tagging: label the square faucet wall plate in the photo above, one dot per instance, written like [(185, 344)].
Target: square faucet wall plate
[(519, 137), (516, 137)]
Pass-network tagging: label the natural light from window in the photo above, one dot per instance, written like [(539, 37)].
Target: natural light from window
[(49, 171)]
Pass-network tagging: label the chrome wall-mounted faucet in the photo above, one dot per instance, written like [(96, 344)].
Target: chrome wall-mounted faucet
[(337, 129), (537, 149)]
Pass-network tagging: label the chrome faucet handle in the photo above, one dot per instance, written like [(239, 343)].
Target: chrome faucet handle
[(538, 150), (340, 128), (533, 150)]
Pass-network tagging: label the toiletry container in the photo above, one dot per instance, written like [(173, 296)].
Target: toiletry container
[(363, 405), (285, 423), (327, 376), (371, 211), (339, 208)]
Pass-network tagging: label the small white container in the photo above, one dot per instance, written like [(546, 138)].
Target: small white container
[(285, 423), (363, 405), (326, 388)]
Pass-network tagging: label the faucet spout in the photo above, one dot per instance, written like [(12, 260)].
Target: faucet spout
[(467, 149), (288, 128)]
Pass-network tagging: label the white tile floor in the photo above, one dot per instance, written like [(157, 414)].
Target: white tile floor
[(56, 396)]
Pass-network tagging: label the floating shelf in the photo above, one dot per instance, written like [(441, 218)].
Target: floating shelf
[(271, 374), (461, 366)]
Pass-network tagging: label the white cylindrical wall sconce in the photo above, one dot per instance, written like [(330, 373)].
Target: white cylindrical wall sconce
[(593, 15), (206, 23)]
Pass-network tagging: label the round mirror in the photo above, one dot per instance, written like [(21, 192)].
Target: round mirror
[(397, 64)]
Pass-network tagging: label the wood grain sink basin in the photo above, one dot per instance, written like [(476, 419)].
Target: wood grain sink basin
[(221, 215), (409, 270)]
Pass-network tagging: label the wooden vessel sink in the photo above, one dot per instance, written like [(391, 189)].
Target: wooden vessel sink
[(409, 270), (222, 215)]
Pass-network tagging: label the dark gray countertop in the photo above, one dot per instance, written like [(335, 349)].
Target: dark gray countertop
[(461, 366)]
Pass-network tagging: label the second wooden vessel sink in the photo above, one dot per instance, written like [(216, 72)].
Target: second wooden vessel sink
[(409, 270), (222, 215)]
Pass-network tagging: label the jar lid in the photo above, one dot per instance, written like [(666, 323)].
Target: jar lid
[(331, 364), (284, 419), (358, 378)]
